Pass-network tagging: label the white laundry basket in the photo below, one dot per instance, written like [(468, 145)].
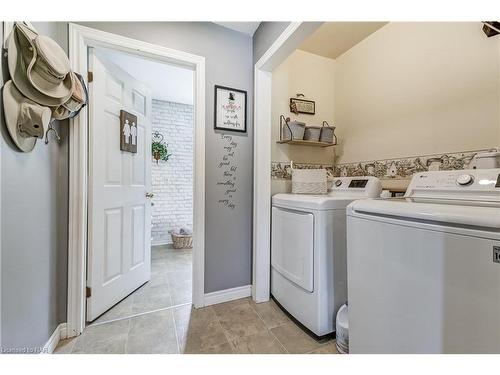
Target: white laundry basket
[(309, 181), (342, 330)]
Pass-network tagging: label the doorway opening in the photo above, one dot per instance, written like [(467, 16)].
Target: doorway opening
[(124, 190), (141, 127)]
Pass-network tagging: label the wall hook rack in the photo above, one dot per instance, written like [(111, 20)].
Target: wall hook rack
[(51, 128)]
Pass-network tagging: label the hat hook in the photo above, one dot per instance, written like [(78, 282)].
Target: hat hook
[(49, 128)]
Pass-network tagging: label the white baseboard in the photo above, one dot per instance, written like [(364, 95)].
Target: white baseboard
[(227, 295), (60, 333), (161, 243)]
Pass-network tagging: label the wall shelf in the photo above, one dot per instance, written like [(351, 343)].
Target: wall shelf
[(301, 142)]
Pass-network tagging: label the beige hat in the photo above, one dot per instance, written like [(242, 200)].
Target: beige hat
[(75, 103), (26, 120), (38, 66)]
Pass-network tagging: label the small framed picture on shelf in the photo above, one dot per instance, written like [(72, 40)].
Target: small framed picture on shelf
[(302, 106), (230, 112)]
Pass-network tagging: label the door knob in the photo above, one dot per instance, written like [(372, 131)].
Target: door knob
[(150, 195)]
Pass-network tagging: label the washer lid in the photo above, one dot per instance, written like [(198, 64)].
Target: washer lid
[(313, 202), (478, 214)]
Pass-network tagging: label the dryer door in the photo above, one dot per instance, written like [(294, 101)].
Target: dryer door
[(292, 246)]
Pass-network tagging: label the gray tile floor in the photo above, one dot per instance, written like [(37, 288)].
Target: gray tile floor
[(170, 285), (239, 326)]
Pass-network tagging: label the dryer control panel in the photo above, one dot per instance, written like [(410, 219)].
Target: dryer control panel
[(368, 186)]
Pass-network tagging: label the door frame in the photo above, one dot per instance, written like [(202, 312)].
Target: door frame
[(289, 40), (80, 38)]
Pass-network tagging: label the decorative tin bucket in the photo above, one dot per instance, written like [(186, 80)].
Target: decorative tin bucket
[(328, 134), (291, 130), (312, 133)]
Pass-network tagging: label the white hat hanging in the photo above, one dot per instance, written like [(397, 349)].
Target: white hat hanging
[(39, 67), (26, 120)]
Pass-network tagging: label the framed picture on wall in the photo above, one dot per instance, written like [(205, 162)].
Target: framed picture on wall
[(302, 106), (230, 112)]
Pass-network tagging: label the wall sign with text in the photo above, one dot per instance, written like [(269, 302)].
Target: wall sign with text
[(230, 109)]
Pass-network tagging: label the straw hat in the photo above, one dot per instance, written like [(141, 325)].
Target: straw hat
[(39, 67), (26, 120)]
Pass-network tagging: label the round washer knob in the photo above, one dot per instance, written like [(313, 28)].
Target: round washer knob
[(338, 183), (465, 179)]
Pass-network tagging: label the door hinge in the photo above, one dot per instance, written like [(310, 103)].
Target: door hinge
[(90, 77), (88, 292)]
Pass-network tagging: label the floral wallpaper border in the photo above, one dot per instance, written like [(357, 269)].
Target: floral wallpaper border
[(281, 169), (401, 168)]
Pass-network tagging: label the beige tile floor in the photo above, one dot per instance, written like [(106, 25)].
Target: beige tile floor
[(170, 285), (239, 326), (158, 318)]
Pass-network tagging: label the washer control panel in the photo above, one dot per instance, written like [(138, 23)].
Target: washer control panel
[(475, 184), (465, 179)]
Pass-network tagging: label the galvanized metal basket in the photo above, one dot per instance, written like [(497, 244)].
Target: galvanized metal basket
[(312, 133), (291, 130), (328, 134)]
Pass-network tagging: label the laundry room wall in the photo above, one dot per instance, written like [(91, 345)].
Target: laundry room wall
[(311, 75), (228, 62), (33, 231), (418, 88)]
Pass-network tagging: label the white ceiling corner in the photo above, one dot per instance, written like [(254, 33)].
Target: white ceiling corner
[(332, 39), (243, 27)]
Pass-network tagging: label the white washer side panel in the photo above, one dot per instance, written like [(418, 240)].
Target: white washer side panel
[(292, 246), (413, 290)]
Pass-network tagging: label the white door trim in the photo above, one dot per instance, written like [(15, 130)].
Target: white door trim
[(283, 46), (80, 38)]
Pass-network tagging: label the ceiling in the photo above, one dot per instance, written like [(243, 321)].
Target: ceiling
[(332, 39), (167, 82), (243, 27)]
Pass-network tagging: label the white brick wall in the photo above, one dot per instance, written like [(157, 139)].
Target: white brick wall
[(173, 180)]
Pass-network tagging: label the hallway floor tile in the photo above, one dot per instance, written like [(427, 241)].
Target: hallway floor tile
[(240, 326)]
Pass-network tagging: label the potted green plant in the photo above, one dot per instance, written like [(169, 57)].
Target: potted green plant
[(159, 148)]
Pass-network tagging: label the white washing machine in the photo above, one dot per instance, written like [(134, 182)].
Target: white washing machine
[(308, 251), (424, 270)]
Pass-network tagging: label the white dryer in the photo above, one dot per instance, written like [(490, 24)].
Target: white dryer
[(424, 270), (308, 251)]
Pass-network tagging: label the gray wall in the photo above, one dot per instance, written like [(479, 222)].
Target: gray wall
[(265, 35), (33, 232), (228, 59)]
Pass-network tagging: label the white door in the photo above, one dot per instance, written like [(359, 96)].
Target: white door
[(119, 253), (292, 246)]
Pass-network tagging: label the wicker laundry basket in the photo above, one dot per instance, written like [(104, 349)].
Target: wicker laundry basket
[(182, 241)]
